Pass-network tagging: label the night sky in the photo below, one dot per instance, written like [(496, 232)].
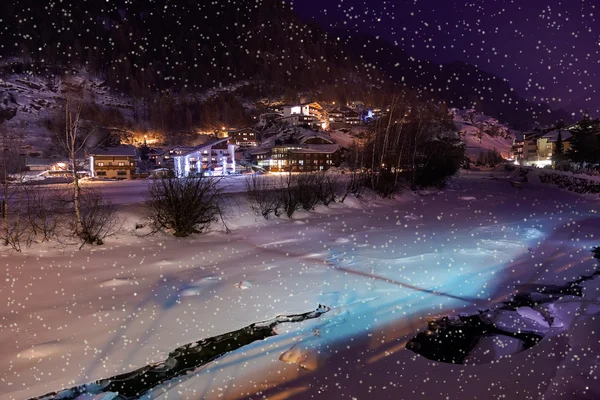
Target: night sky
[(547, 49)]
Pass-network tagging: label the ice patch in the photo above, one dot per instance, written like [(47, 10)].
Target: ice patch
[(411, 217), (468, 198), (342, 240), (530, 313), (115, 282)]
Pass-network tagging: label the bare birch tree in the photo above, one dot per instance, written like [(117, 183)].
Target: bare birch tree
[(73, 138)]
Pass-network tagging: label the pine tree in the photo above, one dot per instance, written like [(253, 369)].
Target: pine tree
[(559, 149)]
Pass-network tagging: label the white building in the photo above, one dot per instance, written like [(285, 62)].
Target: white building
[(214, 158)]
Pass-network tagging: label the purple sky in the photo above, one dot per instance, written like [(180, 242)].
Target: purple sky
[(548, 49)]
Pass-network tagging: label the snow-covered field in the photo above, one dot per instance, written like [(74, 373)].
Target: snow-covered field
[(71, 317)]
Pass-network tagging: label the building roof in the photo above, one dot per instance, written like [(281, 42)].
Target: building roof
[(308, 136), (208, 144), (316, 148), (553, 135), (301, 148), (243, 130), (41, 161), (121, 151)]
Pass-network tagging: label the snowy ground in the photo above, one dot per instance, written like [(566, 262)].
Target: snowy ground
[(383, 267)]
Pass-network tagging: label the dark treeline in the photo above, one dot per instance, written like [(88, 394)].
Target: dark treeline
[(143, 47)]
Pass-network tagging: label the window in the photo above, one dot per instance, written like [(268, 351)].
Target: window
[(121, 164), (100, 164), (101, 173), (121, 173)]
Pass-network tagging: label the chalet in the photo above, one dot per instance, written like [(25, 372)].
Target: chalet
[(308, 121), (214, 158), (267, 118), (352, 118), (244, 138), (153, 154), (336, 116), (307, 109), (312, 153), (48, 167), (113, 162)]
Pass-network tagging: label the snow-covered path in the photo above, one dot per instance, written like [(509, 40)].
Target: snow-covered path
[(383, 267)]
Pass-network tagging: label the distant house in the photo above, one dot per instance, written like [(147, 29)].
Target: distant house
[(47, 164), (216, 157), (113, 162), (308, 121), (336, 116), (352, 118), (313, 109), (267, 118), (312, 153), (356, 104), (244, 138), (154, 153), (164, 158)]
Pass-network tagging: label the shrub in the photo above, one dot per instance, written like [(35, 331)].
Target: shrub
[(263, 195), (98, 217), (184, 205), (570, 183)]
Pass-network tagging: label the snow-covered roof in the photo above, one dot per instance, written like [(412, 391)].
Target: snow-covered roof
[(316, 148), (553, 135), (126, 150), (203, 146), (311, 135)]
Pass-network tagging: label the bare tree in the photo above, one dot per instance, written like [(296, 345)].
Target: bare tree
[(73, 138), (47, 211), (263, 195), (14, 231), (99, 218)]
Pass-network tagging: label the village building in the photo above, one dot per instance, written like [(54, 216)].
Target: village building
[(356, 104), (312, 153), (352, 118), (313, 109), (164, 158), (214, 158), (113, 162), (244, 138), (537, 148), (307, 121), (336, 116)]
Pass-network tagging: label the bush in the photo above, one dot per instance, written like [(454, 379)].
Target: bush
[(184, 205), (383, 183), (290, 200), (98, 217), (295, 191), (570, 183), (263, 195), (46, 212)]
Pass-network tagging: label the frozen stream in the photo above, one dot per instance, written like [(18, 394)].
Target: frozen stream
[(383, 267)]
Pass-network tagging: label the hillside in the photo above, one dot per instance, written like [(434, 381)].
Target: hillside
[(170, 51), (482, 133)]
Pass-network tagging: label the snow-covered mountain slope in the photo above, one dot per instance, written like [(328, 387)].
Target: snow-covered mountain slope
[(481, 133), (37, 99)]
